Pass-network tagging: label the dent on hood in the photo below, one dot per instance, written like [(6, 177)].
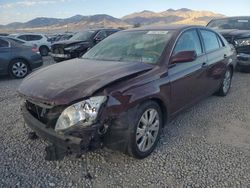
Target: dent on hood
[(76, 79)]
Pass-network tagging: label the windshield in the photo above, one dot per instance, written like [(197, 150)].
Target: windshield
[(241, 24), (139, 46), (85, 35)]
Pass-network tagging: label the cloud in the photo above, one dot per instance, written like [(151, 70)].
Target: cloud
[(29, 3)]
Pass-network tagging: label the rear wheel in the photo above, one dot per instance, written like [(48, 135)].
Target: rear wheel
[(226, 84), (146, 130), (44, 50), (18, 68)]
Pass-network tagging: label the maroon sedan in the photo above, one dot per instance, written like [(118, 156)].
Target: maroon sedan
[(122, 92)]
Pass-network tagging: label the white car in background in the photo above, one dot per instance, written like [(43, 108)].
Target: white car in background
[(40, 40), (20, 41)]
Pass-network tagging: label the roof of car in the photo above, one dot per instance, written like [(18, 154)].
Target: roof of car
[(233, 17), (17, 34), (167, 27), (98, 29)]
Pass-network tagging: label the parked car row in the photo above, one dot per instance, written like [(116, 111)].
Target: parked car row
[(123, 91)]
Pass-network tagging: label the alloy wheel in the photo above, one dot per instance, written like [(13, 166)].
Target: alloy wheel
[(227, 81), (147, 130)]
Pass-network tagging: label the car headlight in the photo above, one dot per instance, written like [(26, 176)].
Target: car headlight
[(242, 42), (73, 47), (82, 114)]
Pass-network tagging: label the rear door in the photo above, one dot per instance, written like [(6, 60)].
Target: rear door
[(4, 56), (216, 59), (187, 79)]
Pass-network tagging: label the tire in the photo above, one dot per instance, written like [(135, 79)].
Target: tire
[(226, 83), (44, 50), (245, 69), (57, 60), (18, 68), (142, 131)]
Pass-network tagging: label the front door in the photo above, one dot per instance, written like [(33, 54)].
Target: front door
[(188, 78)]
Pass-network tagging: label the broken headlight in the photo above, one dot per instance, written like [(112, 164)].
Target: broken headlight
[(82, 114), (242, 42)]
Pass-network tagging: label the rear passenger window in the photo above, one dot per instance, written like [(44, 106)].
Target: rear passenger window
[(34, 37), (188, 41), (23, 37), (3, 44), (210, 40)]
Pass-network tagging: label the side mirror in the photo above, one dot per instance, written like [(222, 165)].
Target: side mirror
[(184, 56)]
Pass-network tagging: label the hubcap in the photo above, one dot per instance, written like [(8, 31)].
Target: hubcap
[(227, 81), (147, 130), (19, 69)]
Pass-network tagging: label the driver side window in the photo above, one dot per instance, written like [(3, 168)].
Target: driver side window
[(188, 41)]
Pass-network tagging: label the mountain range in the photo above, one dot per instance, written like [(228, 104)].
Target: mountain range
[(78, 22)]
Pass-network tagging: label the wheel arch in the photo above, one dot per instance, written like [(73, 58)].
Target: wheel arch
[(162, 106)]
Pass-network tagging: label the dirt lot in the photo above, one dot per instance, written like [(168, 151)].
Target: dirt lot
[(206, 146)]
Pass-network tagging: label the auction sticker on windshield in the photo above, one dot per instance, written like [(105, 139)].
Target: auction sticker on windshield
[(157, 32), (243, 21)]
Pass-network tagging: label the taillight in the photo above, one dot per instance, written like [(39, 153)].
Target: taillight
[(35, 49)]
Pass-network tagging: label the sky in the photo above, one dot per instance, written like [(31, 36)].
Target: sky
[(25, 10)]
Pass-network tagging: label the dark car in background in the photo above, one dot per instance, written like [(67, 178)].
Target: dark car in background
[(236, 31), (16, 59), (123, 91), (3, 34), (77, 45)]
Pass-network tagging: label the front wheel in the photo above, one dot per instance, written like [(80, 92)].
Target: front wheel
[(226, 84), (146, 130)]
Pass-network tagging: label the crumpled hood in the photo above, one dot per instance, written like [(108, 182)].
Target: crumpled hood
[(75, 79), (67, 43), (235, 33)]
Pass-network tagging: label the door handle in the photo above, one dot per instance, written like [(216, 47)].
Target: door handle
[(225, 56)]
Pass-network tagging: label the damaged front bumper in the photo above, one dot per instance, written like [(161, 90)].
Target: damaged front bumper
[(243, 62), (63, 144)]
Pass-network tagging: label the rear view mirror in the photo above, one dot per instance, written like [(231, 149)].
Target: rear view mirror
[(184, 56)]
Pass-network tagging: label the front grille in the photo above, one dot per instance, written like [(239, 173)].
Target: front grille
[(47, 116), (37, 111), (58, 51)]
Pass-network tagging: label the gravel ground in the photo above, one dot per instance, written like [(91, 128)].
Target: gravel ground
[(206, 146)]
